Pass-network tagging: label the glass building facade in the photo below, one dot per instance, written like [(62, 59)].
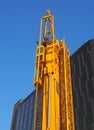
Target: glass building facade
[(23, 117), (82, 65)]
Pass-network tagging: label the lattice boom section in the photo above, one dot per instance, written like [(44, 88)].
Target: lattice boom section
[(69, 96), (66, 98), (63, 119)]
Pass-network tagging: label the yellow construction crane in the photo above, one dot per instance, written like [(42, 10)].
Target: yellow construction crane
[(52, 80)]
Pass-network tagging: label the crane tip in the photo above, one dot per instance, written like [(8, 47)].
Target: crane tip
[(48, 12)]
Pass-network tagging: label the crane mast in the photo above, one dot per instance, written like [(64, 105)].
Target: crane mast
[(52, 80)]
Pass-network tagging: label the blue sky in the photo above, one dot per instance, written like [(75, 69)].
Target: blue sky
[(19, 31)]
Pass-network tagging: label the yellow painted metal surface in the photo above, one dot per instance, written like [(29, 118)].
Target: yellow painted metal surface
[(51, 116), (52, 74)]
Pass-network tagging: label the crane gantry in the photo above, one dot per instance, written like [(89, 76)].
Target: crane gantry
[(52, 80)]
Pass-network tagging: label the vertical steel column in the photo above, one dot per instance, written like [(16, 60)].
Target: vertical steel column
[(48, 101)]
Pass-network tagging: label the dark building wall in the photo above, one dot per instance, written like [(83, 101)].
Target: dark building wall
[(82, 65), (23, 118)]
